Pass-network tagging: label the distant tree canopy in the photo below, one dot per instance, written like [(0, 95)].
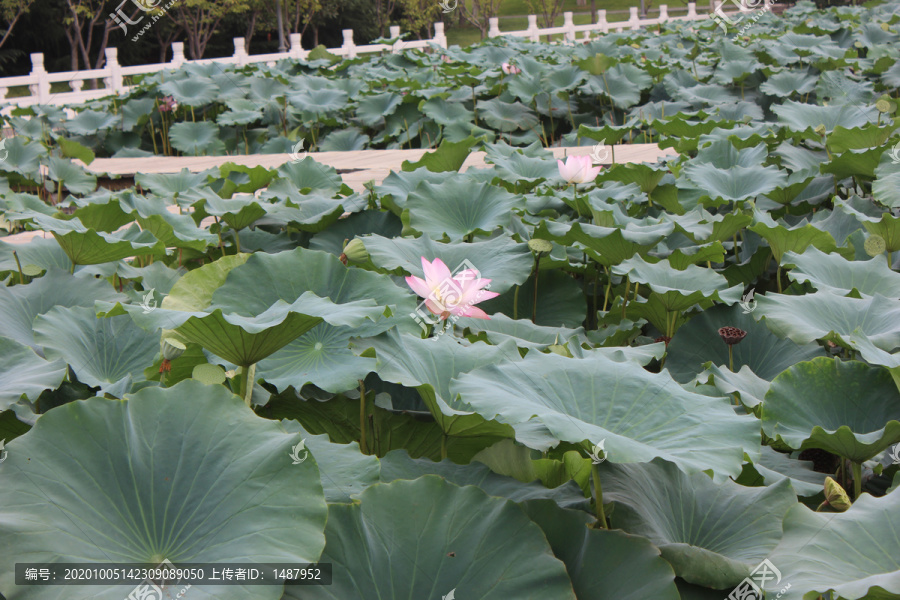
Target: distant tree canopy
[(74, 34)]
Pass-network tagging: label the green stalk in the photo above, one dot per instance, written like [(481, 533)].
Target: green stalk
[(516, 304), (778, 277), (731, 358), (19, 265), (598, 498), (625, 296), (857, 479), (237, 241), (443, 446), (537, 259), (362, 417), (246, 385), (608, 286)]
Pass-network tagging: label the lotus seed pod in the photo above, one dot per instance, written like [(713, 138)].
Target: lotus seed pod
[(885, 27), (355, 251), (540, 246), (883, 106), (874, 245), (836, 496), (172, 349)]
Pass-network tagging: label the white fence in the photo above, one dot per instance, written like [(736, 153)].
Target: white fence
[(113, 75)]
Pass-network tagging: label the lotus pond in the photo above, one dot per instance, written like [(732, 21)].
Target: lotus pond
[(538, 379)]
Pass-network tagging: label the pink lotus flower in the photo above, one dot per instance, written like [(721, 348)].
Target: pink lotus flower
[(578, 169), (168, 104), (510, 69), (447, 294)]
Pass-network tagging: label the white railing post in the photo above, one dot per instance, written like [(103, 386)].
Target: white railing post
[(115, 82), (42, 87), (568, 26), (349, 47), (240, 53), (692, 10), (439, 38), (602, 25), (395, 33), (663, 13), (533, 28), (177, 54), (634, 20), (494, 30), (296, 50)]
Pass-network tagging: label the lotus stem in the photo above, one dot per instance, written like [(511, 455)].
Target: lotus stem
[(537, 260), (362, 417), (731, 358), (516, 304), (19, 266), (443, 446), (857, 479), (778, 277), (625, 295), (237, 241), (247, 383), (598, 498), (608, 286), (737, 259)]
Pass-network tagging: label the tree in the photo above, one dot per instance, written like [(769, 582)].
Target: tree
[(418, 15), (200, 18), (10, 13), (480, 13), (84, 19), (383, 11), (548, 9)]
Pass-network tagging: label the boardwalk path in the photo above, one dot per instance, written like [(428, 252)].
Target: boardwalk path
[(356, 168)]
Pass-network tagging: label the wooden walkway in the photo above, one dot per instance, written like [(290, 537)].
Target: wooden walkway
[(356, 168)]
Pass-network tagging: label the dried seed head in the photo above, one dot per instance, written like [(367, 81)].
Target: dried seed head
[(732, 335)]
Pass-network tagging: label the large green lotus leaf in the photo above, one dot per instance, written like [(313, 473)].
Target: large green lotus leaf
[(886, 187), (523, 332), (71, 176), (308, 175), (853, 163), (823, 553), (153, 478), (518, 167), (450, 540), (20, 304), (313, 212), (679, 290), (800, 117), (43, 253), (322, 357), (22, 157), (195, 90), (560, 301), (238, 212), (736, 183), (428, 365), (603, 564), (194, 291), (785, 83), (641, 415), (847, 408), (712, 534), (86, 246), (749, 387), (90, 122), (245, 340), (100, 351), (606, 245), (171, 184), (502, 260), (266, 278), (506, 116), (397, 464), (698, 342), (459, 207), (344, 140), (833, 273), (344, 470), (24, 372), (449, 156), (371, 110), (196, 139), (825, 316), (774, 466)]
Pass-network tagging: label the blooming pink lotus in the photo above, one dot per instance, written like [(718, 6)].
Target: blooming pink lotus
[(578, 169), (447, 294), (510, 69), (168, 104)]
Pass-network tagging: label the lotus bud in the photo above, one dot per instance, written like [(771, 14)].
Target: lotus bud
[(820, 129), (172, 349), (836, 496), (354, 251), (540, 246), (732, 335)]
